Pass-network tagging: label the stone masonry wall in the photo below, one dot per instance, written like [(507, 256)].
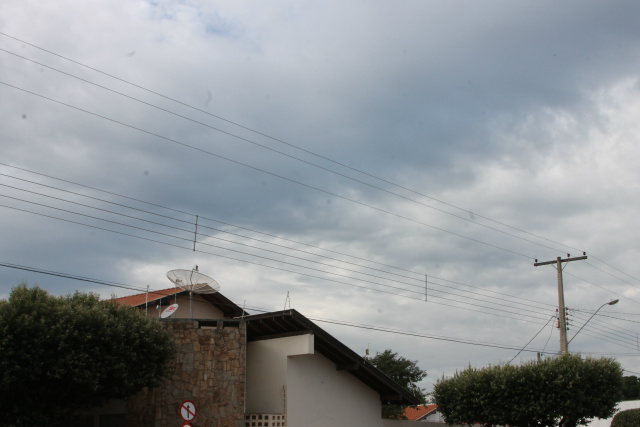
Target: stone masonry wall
[(209, 370)]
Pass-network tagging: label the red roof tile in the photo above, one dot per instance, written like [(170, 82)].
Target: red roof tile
[(420, 411), (139, 299)]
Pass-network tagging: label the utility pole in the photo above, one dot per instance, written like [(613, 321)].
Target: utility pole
[(562, 319)]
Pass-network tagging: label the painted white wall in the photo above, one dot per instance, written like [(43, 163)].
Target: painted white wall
[(318, 395), (434, 417), (267, 371)]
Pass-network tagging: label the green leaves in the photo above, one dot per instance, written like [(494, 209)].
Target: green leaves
[(628, 418), (564, 389), (403, 371), (64, 354)]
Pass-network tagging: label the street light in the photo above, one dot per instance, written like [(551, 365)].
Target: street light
[(614, 302)]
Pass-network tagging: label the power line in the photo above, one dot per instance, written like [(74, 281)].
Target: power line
[(210, 153), (255, 231), (317, 319), (255, 248), (279, 140), (603, 288), (534, 337), (279, 268), (307, 151), (288, 155), (235, 234)]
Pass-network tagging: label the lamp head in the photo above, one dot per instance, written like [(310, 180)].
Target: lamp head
[(614, 302)]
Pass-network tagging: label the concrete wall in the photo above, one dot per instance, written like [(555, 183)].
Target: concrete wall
[(435, 417), (209, 370), (286, 376), (318, 395), (267, 371)]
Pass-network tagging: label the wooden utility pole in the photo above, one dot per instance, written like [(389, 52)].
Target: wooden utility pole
[(562, 319)]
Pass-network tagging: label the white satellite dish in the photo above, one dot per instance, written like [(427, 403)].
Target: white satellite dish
[(167, 312), (194, 282)]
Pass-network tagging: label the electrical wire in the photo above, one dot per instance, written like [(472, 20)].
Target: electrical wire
[(267, 172), (291, 145), (280, 141), (545, 305), (257, 169), (426, 224), (299, 258), (279, 268), (317, 319), (603, 288), (534, 337)]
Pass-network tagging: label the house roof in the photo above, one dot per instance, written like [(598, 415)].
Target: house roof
[(228, 307), (290, 322), (419, 412)]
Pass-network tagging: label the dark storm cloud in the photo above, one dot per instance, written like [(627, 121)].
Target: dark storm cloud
[(520, 112)]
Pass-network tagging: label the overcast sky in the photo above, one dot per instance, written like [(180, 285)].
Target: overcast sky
[(338, 152)]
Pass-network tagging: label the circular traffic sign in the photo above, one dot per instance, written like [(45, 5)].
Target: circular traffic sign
[(188, 410)]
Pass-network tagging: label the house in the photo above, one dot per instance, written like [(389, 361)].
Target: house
[(273, 369), (423, 413)]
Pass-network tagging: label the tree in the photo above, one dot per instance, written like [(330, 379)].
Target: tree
[(403, 371), (565, 391), (630, 388), (60, 355)]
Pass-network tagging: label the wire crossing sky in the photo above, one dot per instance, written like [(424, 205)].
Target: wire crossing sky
[(393, 167)]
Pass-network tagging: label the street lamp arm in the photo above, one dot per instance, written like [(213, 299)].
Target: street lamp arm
[(614, 302)]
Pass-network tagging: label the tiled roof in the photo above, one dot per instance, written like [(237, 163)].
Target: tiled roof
[(228, 307), (420, 411), (139, 299)]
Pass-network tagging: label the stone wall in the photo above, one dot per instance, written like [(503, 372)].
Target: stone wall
[(209, 370)]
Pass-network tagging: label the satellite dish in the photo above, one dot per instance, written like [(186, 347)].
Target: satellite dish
[(169, 311), (194, 282)]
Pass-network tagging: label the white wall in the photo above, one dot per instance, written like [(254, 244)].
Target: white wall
[(318, 395), (434, 417), (267, 371)]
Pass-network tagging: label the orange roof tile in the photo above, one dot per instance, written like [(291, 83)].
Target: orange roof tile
[(139, 299), (420, 411)]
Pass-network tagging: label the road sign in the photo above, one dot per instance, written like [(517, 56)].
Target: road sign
[(188, 410), (187, 425)]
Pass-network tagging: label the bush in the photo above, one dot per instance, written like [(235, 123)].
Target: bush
[(628, 418), (566, 391)]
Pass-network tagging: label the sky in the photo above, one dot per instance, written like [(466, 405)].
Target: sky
[(336, 158)]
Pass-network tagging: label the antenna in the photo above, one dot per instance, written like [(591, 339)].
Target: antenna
[(194, 282)]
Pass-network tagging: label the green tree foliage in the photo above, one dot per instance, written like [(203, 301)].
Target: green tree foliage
[(565, 391), (628, 418), (64, 354), (630, 388), (403, 371)]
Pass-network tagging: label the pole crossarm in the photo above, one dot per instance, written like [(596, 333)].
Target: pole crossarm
[(577, 258)]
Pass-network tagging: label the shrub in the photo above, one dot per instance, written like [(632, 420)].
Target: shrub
[(628, 418)]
